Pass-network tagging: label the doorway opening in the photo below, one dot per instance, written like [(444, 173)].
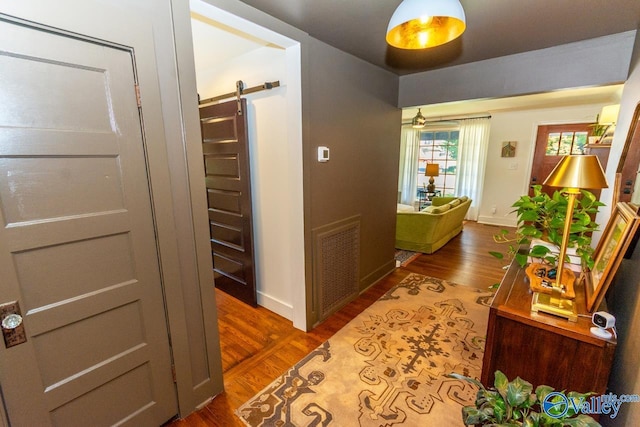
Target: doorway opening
[(228, 49)]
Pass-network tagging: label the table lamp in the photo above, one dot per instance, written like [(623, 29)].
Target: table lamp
[(572, 173), (433, 169)]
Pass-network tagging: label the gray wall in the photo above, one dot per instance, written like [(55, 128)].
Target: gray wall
[(350, 109), (600, 61)]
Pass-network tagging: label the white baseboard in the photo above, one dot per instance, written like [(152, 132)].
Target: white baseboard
[(273, 304), (500, 221)]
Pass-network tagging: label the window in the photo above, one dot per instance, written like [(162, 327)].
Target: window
[(565, 143), (439, 146)]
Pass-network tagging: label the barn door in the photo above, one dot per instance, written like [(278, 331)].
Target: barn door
[(226, 158), (86, 342)]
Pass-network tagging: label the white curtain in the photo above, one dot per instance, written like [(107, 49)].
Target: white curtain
[(472, 158), (408, 176)]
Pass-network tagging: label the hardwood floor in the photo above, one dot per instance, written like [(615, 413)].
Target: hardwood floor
[(258, 345)]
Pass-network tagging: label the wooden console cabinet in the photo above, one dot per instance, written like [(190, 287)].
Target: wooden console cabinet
[(541, 348)]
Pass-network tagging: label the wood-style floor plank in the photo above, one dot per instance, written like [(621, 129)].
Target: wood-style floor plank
[(258, 345)]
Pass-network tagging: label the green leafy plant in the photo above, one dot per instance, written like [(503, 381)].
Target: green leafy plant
[(596, 128), (515, 403), (543, 217)]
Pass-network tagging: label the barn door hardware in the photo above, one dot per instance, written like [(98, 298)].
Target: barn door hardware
[(240, 90)]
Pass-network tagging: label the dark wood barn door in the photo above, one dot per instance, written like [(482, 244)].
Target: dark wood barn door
[(226, 158)]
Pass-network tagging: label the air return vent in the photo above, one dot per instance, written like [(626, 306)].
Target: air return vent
[(336, 262)]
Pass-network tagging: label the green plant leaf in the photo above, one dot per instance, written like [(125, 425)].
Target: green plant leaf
[(529, 215), (518, 392), (530, 231), (467, 379), (500, 410), (500, 382), (542, 391), (539, 251), (521, 259), (532, 420), (473, 416), (498, 255)]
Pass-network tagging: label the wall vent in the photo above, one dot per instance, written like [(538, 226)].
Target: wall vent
[(336, 265)]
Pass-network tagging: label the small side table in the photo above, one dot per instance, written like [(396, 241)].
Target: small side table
[(425, 196)]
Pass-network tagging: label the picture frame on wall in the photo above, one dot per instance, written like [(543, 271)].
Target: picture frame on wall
[(508, 149), (617, 235)]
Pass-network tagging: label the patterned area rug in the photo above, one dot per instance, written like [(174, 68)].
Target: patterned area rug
[(405, 257), (387, 366)]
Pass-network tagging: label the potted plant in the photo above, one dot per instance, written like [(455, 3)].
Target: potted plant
[(542, 217), (597, 131), (515, 403)]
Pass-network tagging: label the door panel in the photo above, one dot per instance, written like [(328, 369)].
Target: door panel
[(226, 159), (77, 239), (548, 155)]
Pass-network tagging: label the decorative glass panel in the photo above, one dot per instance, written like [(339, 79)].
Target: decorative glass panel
[(566, 142), (579, 142), (553, 143)]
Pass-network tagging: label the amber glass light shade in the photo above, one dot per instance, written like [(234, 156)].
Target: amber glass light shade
[(421, 24)]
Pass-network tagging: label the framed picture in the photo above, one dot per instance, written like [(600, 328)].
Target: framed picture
[(615, 239), (508, 149)]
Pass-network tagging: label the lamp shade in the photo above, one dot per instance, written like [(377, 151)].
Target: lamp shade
[(419, 24), (433, 169), (609, 114), (580, 171), (418, 121)]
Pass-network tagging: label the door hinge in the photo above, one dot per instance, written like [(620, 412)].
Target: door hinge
[(173, 373), (138, 99)]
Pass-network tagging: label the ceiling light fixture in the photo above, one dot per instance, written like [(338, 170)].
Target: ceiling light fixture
[(419, 24), (418, 121)]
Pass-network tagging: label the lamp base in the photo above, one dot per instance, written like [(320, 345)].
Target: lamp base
[(550, 304), (431, 188), (539, 280)]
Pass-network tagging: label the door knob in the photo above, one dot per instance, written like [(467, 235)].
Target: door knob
[(12, 326), (12, 321)]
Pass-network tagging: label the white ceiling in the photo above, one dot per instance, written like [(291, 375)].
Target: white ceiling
[(594, 95), (215, 43)]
